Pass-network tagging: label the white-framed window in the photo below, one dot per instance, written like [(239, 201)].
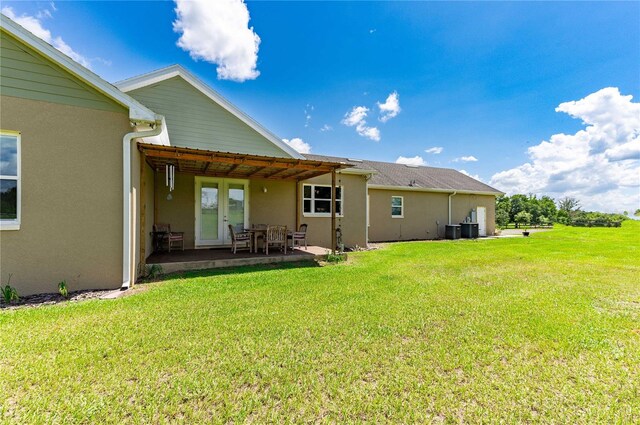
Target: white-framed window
[(316, 200), (397, 207), (9, 180)]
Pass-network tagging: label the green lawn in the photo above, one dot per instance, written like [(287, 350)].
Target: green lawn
[(545, 328)]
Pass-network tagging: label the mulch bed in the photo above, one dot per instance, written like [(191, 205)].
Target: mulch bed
[(49, 299)]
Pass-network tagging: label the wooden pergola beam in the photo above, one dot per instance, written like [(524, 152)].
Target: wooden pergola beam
[(275, 173), (252, 162)]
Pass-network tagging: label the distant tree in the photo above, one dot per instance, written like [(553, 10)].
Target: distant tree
[(518, 204), (625, 212), (568, 204), (522, 217), (548, 208), (637, 213), (502, 217), (503, 210)]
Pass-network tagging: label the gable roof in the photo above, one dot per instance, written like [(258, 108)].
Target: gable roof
[(173, 71), (137, 111), (400, 176)]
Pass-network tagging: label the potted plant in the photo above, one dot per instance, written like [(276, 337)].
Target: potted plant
[(524, 218)]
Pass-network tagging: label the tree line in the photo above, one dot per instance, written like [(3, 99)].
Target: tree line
[(530, 210)]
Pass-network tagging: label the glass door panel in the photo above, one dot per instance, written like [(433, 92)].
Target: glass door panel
[(209, 212), (236, 208)]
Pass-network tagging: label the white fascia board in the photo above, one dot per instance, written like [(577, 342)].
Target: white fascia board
[(162, 139), (137, 111), (356, 171), (177, 70), (434, 190)]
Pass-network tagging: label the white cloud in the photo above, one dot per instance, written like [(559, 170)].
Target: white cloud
[(372, 30), (390, 108), (469, 158), (434, 150), (33, 24), (326, 127), (357, 118), (473, 176), (416, 160), (307, 114), (599, 165), (298, 144), (218, 32)]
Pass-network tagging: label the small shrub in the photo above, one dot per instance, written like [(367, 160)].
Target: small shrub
[(9, 293), (334, 258), (62, 289), (153, 271)]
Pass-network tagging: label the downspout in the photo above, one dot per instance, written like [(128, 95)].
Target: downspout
[(452, 194), (156, 129)]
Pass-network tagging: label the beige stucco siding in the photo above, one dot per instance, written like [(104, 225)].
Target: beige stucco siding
[(425, 214), (71, 227), (353, 222), (275, 206), (179, 212), (461, 206)]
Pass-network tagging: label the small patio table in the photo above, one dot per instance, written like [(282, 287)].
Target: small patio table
[(255, 232)]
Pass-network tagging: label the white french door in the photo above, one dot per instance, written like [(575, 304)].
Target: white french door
[(220, 202)]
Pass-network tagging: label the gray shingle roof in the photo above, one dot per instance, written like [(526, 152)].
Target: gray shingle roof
[(390, 174)]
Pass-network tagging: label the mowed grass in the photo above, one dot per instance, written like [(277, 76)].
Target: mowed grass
[(539, 329)]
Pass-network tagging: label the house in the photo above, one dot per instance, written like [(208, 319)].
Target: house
[(88, 167), (408, 202)]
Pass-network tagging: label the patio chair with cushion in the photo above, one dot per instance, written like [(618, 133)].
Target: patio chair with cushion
[(299, 237), (164, 233), (239, 238), (276, 235)]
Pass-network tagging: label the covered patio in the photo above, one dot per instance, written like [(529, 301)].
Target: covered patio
[(200, 193), (197, 259)]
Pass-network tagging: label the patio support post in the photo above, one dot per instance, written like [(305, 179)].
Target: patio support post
[(333, 210), (298, 212), (143, 209)]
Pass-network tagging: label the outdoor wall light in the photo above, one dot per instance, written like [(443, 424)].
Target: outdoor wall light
[(264, 189)]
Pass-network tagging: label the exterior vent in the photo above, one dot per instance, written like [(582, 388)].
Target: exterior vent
[(412, 166)]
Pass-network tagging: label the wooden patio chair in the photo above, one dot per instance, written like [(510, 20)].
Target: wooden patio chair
[(299, 237), (163, 230), (276, 235), (239, 238)]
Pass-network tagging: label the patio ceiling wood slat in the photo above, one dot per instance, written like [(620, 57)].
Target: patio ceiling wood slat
[(225, 164), (193, 155)]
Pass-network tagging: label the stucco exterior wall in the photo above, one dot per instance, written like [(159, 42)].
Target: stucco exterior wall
[(353, 222), (425, 214), (71, 226), (276, 206), (461, 206), (179, 212)]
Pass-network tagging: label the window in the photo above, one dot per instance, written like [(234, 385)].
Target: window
[(9, 180), (397, 207), (316, 200)]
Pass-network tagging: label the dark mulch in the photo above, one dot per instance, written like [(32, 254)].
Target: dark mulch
[(48, 299)]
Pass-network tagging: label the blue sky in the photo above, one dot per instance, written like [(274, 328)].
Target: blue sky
[(476, 79)]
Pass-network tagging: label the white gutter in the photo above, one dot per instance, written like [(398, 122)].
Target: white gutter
[(450, 195), (126, 199)]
